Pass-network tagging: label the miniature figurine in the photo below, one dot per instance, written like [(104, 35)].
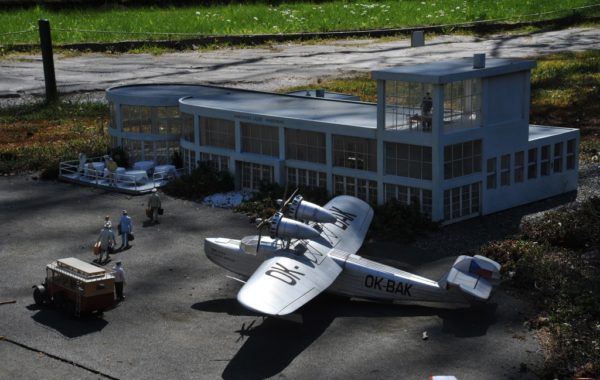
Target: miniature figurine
[(154, 206), (107, 241), (125, 229), (119, 280)]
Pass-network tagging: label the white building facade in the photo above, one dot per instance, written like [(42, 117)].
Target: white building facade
[(453, 138)]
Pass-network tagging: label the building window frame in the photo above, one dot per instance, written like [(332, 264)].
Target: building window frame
[(462, 159), (532, 163), (354, 152), (260, 139), (571, 154), (462, 201), (406, 160), (215, 132), (492, 171), (361, 188), (545, 161), (505, 170), (302, 145), (519, 166), (557, 166), (462, 104)]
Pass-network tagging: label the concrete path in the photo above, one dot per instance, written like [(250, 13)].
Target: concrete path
[(273, 67)]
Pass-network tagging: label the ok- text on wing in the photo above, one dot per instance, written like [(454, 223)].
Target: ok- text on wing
[(284, 283), (353, 218)]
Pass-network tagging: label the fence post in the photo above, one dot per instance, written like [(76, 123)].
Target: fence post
[(48, 60), (417, 38)]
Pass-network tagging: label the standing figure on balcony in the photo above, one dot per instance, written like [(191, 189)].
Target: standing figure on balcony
[(426, 106)]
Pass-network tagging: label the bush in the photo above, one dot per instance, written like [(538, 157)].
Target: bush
[(202, 181), (572, 228), (177, 160), (566, 289), (399, 222), (120, 156)]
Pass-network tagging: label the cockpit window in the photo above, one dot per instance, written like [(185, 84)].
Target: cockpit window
[(249, 244)]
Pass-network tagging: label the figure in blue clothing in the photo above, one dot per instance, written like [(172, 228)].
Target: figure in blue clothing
[(125, 228)]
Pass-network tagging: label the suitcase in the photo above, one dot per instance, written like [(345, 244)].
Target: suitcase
[(97, 248)]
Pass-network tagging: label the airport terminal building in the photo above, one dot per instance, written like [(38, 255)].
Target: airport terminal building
[(453, 136)]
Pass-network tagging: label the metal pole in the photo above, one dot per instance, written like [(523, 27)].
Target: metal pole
[(48, 60)]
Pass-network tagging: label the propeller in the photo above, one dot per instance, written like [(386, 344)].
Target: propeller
[(268, 221)]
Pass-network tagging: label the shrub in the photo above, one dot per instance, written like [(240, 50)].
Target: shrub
[(573, 228), (566, 289), (177, 160), (120, 156), (202, 181), (399, 222)]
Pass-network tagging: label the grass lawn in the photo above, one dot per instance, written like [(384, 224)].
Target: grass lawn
[(118, 23)]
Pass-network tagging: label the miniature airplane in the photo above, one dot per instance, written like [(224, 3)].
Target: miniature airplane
[(311, 249)]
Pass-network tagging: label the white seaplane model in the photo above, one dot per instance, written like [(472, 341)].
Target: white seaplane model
[(311, 249)]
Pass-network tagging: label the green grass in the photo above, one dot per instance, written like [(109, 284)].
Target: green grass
[(565, 89), (152, 22), (360, 85)]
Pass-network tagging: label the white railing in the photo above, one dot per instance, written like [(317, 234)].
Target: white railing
[(71, 169)]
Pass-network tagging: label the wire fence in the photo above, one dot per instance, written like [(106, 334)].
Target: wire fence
[(32, 29), (528, 17)]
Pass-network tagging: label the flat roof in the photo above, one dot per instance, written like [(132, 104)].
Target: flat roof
[(164, 94), (451, 71), (285, 107), (537, 132)]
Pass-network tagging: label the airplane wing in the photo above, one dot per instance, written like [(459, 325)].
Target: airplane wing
[(284, 283), (353, 217)]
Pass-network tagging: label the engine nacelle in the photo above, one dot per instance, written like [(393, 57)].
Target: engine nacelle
[(285, 228), (300, 209)]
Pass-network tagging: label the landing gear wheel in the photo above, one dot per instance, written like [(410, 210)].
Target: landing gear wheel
[(39, 295)]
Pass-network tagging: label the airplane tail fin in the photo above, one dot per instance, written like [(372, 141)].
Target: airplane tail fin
[(474, 275)]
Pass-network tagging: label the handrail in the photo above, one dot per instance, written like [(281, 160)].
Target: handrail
[(121, 180)]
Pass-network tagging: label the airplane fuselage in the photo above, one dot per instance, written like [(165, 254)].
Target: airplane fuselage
[(360, 277)]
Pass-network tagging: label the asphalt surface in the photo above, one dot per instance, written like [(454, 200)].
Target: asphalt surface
[(181, 320), (273, 67)]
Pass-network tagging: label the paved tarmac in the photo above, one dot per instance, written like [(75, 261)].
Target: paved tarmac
[(181, 319), (273, 67)]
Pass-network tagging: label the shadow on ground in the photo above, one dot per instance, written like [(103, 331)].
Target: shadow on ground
[(271, 344), (69, 327)]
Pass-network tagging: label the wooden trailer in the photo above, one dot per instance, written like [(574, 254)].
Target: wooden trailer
[(76, 286)]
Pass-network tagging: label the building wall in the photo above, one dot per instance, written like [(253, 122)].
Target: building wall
[(478, 132), (556, 178)]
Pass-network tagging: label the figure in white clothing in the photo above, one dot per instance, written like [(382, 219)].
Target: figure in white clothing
[(107, 241), (119, 280), (82, 161)]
